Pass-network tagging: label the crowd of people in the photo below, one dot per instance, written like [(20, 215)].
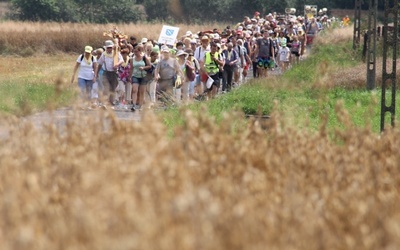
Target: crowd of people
[(130, 72)]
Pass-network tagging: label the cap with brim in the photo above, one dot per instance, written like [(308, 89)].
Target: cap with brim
[(203, 38), (144, 40), (88, 49), (165, 50), (155, 49), (180, 53), (108, 44)]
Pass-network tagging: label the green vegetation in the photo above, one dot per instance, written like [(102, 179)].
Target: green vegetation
[(306, 95), (188, 11), (25, 97)]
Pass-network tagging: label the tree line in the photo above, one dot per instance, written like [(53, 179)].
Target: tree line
[(125, 11)]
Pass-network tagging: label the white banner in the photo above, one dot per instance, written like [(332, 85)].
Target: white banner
[(168, 35)]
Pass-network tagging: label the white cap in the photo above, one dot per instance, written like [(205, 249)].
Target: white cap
[(144, 40)]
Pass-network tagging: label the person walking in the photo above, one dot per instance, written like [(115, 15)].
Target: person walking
[(124, 77), (166, 73), (87, 63), (110, 76), (151, 86), (210, 66), (284, 57), (199, 53), (192, 66), (184, 89), (139, 66), (231, 59), (265, 53)]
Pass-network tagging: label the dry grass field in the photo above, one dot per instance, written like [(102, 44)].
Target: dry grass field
[(107, 184), (30, 38), (103, 183), (353, 77)]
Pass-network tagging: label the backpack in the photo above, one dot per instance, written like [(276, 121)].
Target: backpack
[(150, 71), (90, 58), (190, 74)]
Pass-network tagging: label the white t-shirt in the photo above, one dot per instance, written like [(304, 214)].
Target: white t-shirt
[(284, 53), (200, 53), (86, 67)]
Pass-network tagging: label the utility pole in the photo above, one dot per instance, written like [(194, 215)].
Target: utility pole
[(389, 49), (371, 55), (357, 24)]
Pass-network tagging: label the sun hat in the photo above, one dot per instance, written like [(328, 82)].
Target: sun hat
[(88, 49), (189, 52), (144, 40), (165, 49), (189, 33), (205, 38), (156, 49), (108, 44), (181, 52), (193, 41)]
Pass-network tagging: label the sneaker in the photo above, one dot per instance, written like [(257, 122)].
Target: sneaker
[(133, 109)]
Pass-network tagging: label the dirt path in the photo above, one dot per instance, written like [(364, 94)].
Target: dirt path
[(60, 116)]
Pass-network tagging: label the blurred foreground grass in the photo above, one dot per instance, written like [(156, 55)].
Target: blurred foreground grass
[(313, 176), (104, 183)]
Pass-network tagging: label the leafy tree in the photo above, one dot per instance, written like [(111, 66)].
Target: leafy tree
[(37, 10), (156, 9), (97, 11)]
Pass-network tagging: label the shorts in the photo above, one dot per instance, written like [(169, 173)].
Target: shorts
[(263, 62), (296, 53), (140, 81), (217, 82)]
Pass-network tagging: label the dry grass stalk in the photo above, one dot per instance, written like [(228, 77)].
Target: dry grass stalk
[(102, 183), (28, 38)]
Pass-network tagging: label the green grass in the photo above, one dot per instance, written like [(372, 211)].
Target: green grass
[(301, 101), (26, 97)]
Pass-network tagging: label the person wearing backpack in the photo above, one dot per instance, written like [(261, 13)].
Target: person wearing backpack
[(110, 76), (210, 67), (231, 59), (265, 53), (87, 64), (192, 72), (166, 73), (139, 64)]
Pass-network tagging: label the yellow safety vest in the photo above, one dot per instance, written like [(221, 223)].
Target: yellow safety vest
[(210, 65)]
